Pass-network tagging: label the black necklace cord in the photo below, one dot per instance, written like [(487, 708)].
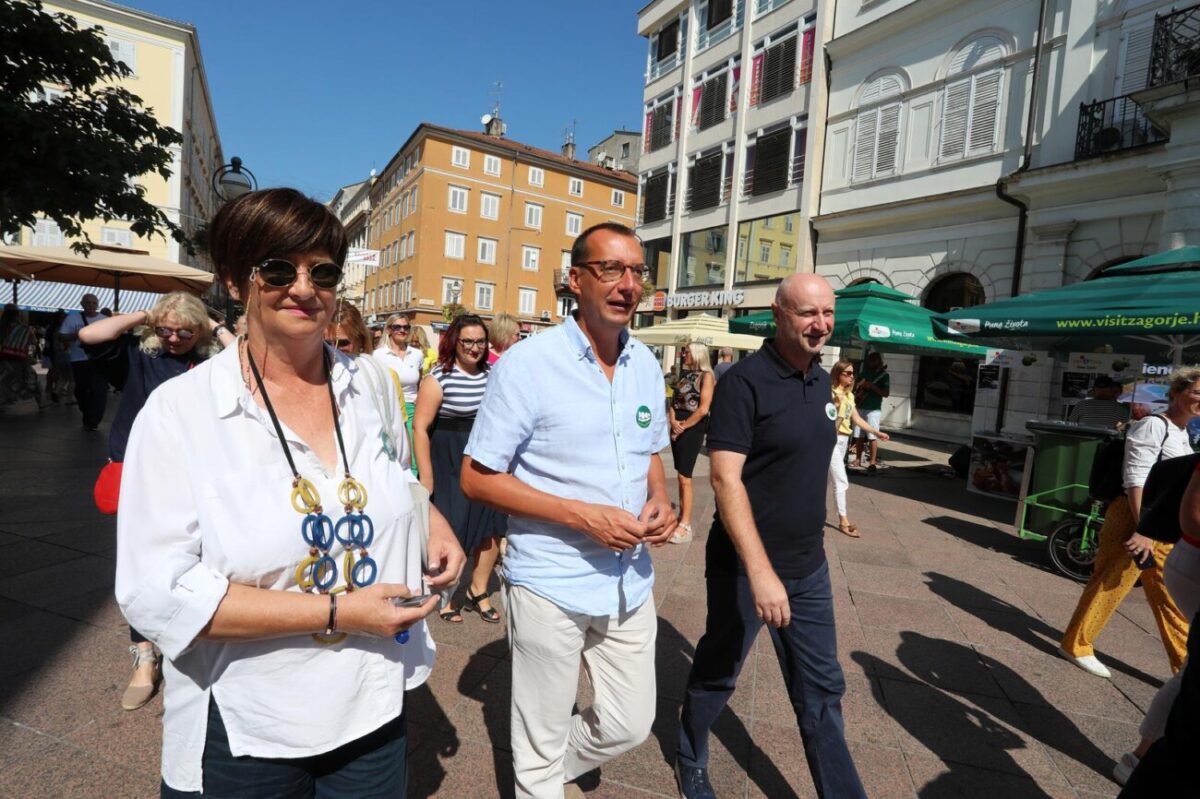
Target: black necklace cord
[(271, 412), (337, 425)]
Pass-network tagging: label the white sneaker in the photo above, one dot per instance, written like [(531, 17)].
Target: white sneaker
[(1088, 663), (1125, 767)]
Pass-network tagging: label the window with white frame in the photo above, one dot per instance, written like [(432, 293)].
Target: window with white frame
[(491, 165), (530, 256), (971, 99), (408, 290), (618, 198), (460, 156), (537, 177), (46, 233), (412, 201), (575, 187), (404, 206), (412, 243), (484, 295), (710, 97), (574, 224), (533, 216), (526, 301), (123, 51), (456, 245), (116, 237), (47, 94), (458, 200), (451, 290), (877, 129), (397, 252), (565, 260), (489, 205), (487, 250), (661, 121), (566, 304)]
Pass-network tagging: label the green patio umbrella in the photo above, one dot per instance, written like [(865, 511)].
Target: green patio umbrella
[(874, 316), (1131, 313), (1168, 261)]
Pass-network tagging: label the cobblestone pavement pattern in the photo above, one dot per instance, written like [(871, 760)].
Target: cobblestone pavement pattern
[(947, 628)]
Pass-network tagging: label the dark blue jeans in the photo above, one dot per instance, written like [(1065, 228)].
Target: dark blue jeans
[(807, 653), (374, 766)]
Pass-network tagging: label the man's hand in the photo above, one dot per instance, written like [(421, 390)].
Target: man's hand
[(770, 599), (444, 554), (660, 520), (610, 526)]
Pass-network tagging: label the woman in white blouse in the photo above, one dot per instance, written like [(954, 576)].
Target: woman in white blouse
[(271, 575), (398, 353)]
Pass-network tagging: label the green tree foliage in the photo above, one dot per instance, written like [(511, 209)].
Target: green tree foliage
[(71, 157)]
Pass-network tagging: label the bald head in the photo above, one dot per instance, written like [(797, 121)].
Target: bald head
[(803, 312), (803, 286)]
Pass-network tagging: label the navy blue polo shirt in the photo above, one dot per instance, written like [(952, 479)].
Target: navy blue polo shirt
[(781, 419)]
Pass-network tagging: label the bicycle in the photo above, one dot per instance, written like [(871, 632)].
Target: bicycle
[(1073, 542)]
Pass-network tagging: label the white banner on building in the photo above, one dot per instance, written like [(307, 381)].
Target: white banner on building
[(358, 256), (1116, 366)]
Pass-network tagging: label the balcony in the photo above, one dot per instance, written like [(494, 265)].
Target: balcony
[(560, 277), (1108, 126), (707, 37), (660, 68), (1175, 53)]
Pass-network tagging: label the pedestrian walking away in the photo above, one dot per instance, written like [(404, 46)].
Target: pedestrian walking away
[(567, 443), (446, 408), (405, 359), (842, 378), (1115, 571), (689, 421), (724, 362), (91, 387), (770, 440), (874, 386), (288, 649), (175, 335)]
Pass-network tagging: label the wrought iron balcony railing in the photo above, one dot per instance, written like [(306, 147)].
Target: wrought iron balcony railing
[(1106, 126), (1175, 53)]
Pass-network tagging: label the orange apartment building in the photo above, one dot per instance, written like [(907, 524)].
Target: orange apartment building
[(485, 222)]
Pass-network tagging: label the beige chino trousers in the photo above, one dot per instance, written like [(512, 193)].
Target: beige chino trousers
[(550, 745)]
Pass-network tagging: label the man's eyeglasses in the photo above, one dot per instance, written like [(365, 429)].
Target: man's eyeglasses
[(399, 328), (472, 343), (280, 273), (183, 334), (612, 271)]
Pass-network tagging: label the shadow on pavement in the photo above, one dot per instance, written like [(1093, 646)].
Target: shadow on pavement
[(915, 483), (1008, 618), (971, 732), (1030, 553)]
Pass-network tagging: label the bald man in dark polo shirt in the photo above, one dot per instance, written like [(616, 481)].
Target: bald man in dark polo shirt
[(771, 435)]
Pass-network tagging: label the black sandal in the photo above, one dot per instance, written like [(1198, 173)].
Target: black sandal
[(491, 615), (451, 615)]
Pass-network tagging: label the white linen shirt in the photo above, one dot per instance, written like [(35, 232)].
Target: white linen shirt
[(407, 368), (552, 418), (1148, 442), (205, 501)]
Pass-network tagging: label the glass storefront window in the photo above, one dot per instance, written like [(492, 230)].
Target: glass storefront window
[(702, 262), (766, 249), (657, 253)]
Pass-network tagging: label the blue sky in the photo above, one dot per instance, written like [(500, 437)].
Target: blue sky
[(314, 94)]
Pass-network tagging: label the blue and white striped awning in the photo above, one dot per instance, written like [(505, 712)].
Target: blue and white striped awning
[(42, 295)]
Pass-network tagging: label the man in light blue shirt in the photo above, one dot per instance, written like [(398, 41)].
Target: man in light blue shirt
[(566, 442)]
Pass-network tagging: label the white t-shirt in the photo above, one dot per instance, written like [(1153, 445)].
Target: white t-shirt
[(1148, 441), (407, 367)]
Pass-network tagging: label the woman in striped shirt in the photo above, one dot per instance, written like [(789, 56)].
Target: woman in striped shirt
[(447, 401)]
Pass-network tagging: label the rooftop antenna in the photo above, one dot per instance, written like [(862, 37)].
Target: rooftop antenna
[(496, 93), (568, 148)]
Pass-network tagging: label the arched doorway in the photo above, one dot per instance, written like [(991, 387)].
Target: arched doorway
[(948, 384)]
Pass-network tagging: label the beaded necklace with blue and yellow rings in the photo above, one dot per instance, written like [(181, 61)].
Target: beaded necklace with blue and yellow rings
[(355, 530)]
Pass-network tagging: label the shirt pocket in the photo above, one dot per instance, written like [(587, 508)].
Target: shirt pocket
[(641, 422)]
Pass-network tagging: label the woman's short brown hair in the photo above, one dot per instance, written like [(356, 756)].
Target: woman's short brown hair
[(349, 317), (271, 223)]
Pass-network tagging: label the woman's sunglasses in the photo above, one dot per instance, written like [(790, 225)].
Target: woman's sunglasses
[(183, 334), (399, 328), (279, 273)]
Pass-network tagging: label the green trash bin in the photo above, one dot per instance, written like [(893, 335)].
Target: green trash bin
[(1056, 477)]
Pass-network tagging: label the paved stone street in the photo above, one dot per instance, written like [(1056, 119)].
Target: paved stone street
[(947, 624)]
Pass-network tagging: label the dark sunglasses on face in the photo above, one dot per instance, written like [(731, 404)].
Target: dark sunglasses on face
[(399, 328), (279, 273), (340, 343), (183, 334)]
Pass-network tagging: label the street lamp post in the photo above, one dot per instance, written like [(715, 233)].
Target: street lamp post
[(229, 182)]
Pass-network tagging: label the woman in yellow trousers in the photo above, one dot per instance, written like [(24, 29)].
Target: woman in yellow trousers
[(1149, 440)]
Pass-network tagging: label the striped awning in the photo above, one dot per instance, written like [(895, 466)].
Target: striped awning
[(41, 295)]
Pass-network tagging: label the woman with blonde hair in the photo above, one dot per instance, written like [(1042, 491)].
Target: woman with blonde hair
[(421, 341), (504, 332), (174, 336), (846, 418), (689, 404)]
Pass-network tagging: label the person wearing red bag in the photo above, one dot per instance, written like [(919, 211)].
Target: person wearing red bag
[(175, 335)]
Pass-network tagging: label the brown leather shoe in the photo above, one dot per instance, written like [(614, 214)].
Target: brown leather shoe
[(138, 693)]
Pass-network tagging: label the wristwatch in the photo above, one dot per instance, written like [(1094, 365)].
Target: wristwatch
[(217, 329)]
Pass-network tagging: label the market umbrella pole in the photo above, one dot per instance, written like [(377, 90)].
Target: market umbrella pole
[(116, 293)]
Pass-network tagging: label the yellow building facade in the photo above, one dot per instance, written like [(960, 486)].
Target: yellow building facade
[(168, 76), (481, 221)]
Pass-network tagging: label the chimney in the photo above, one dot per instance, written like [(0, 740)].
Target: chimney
[(494, 126), (568, 149)]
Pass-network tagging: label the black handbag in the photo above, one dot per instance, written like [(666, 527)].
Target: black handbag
[(1162, 495)]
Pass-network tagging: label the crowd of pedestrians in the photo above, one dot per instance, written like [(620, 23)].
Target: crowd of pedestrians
[(344, 485)]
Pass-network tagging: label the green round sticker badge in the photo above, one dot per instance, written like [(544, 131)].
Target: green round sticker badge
[(643, 416)]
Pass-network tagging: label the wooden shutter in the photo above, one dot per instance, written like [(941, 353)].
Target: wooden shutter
[(772, 161), (704, 190), (654, 198), (718, 12), (864, 144), (660, 130), (887, 139), (1136, 43), (779, 70), (668, 41), (956, 105), (985, 112), (712, 101)]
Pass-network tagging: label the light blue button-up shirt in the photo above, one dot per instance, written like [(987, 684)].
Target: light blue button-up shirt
[(551, 417)]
